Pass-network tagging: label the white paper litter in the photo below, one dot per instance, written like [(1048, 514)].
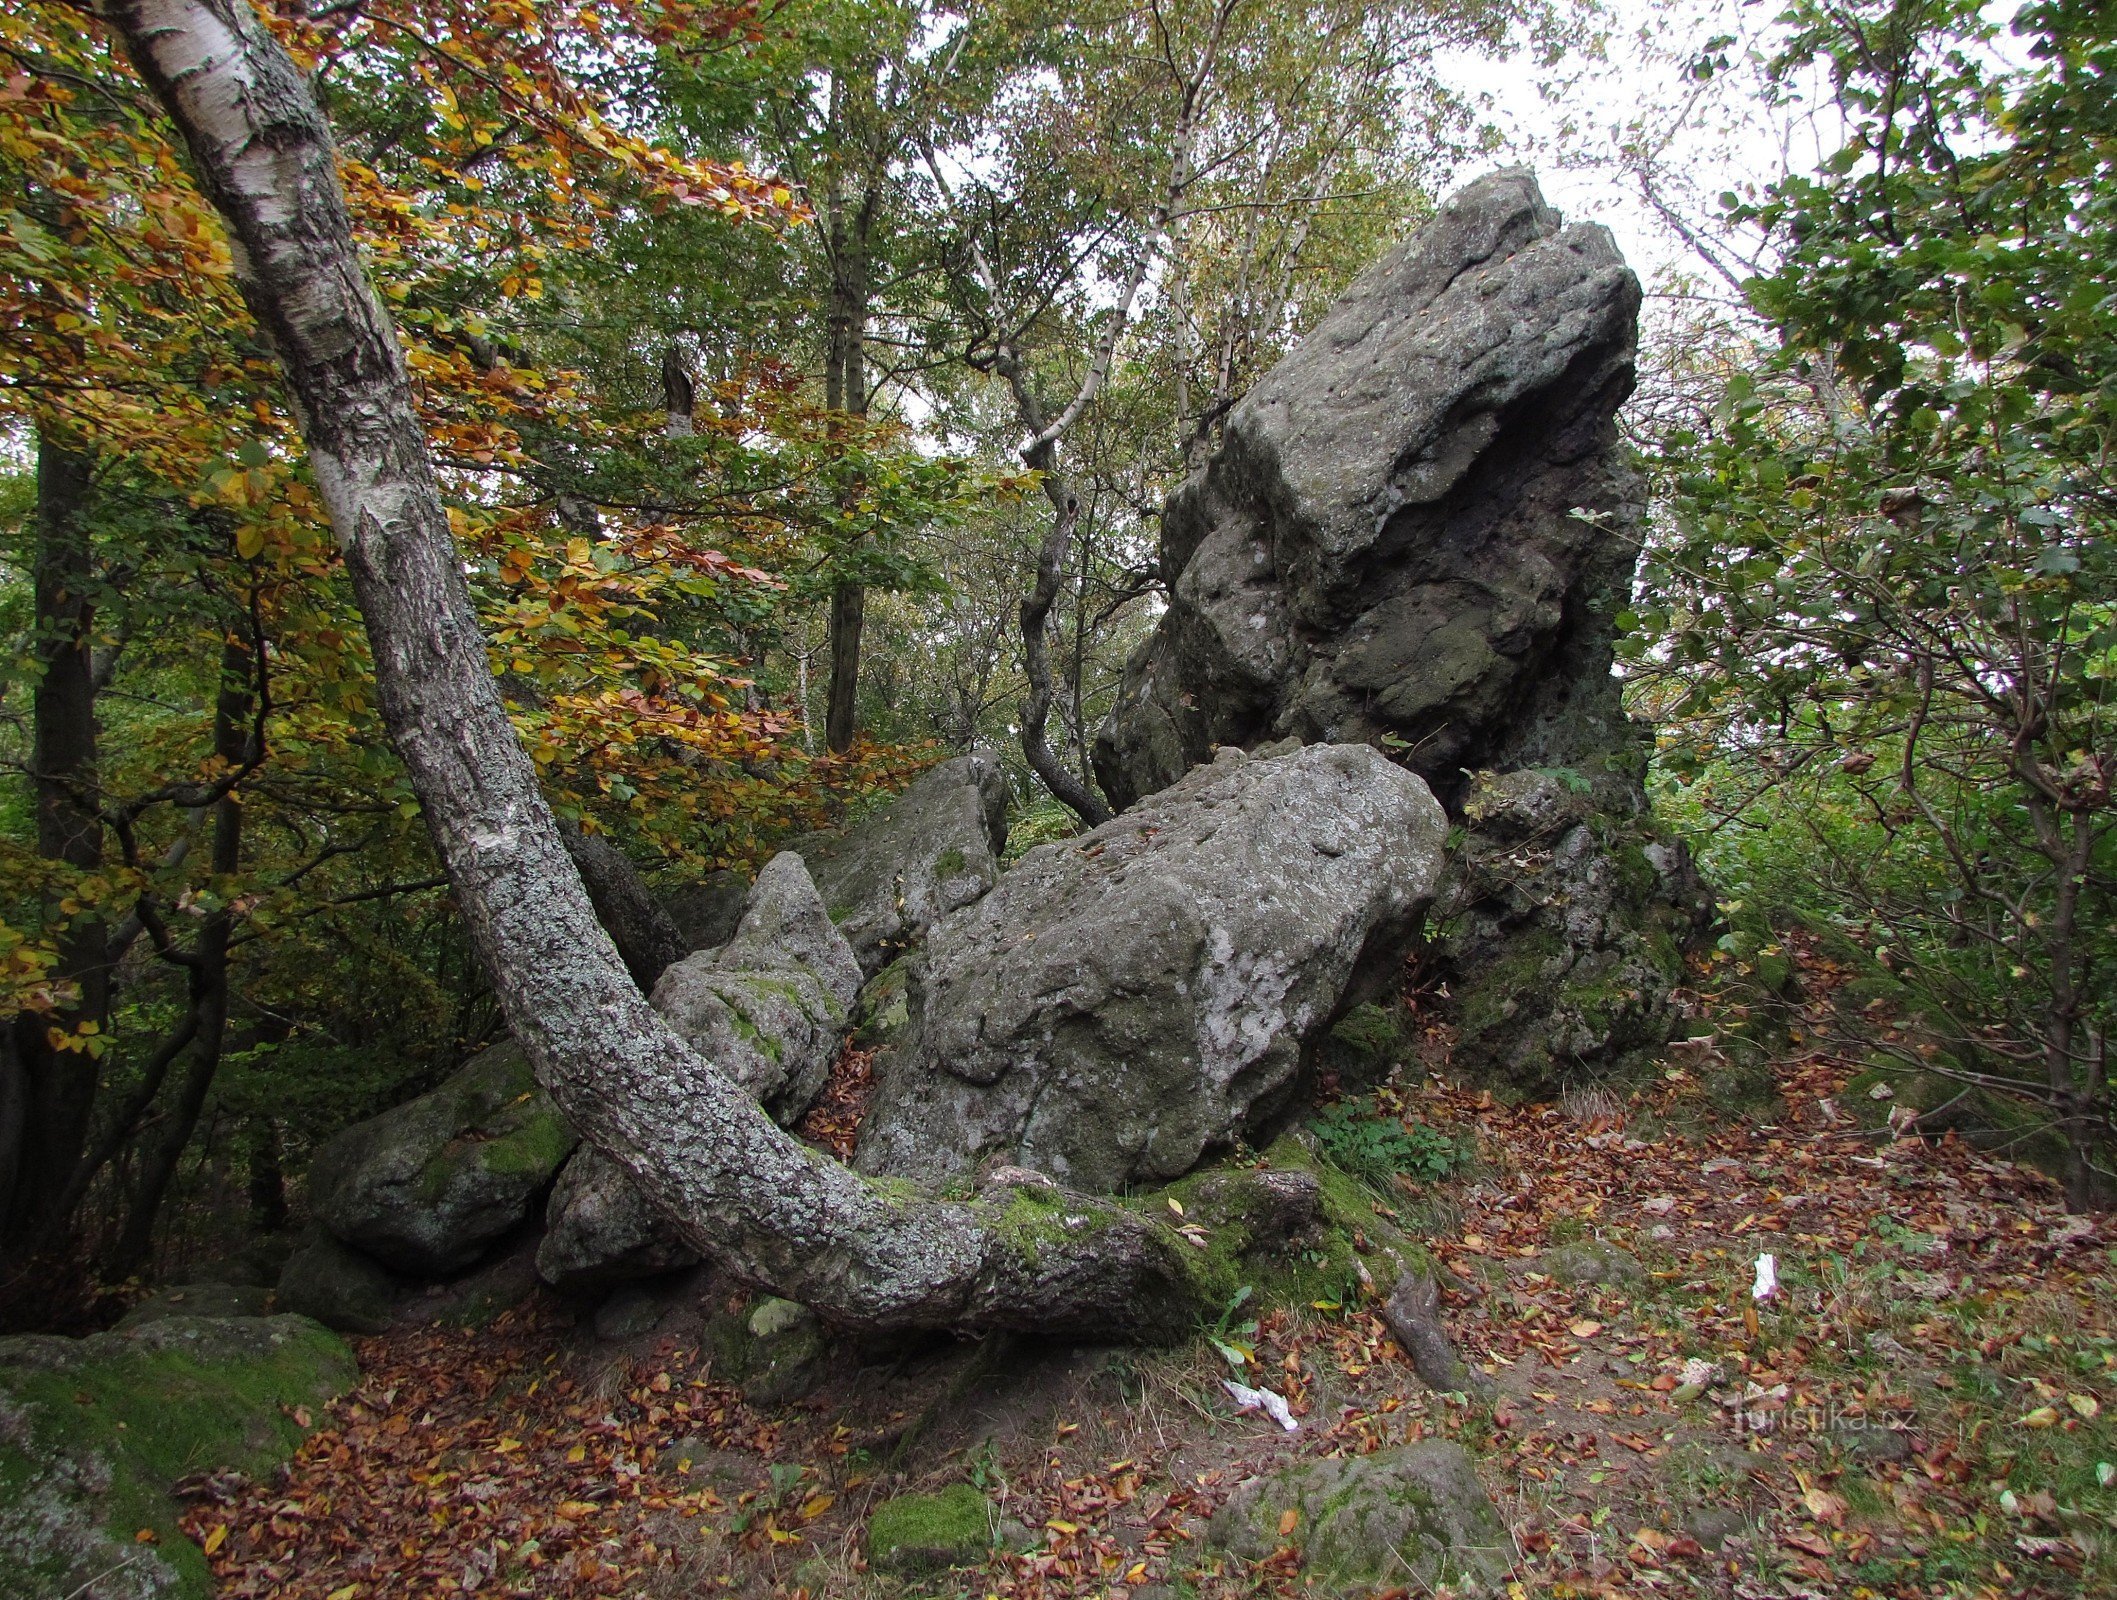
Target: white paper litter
[(1274, 1405), (1767, 1283)]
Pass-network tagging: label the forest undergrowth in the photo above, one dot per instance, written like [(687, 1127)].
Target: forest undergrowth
[(1923, 1408)]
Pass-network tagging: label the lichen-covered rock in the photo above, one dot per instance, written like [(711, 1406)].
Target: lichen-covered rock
[(94, 1432), (1125, 1001), (426, 1187), (768, 1007), (1562, 926), (1419, 531), (933, 849), (1415, 1512), (600, 1230), (917, 1533), (338, 1287)]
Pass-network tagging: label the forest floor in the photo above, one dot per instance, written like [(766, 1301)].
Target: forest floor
[(1927, 1407)]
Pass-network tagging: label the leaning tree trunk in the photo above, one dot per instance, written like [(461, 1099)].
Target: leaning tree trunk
[(744, 1191)]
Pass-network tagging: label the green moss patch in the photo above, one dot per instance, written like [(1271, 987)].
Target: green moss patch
[(94, 1432), (929, 1532)]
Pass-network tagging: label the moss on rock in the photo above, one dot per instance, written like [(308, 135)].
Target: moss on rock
[(94, 1432), (917, 1533)]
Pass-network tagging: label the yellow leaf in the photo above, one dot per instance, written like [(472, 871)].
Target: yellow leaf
[(577, 1455), (574, 1510), (1585, 1329), (2086, 1404), (815, 1506), (1289, 1520), (1058, 1526), (346, 1593), (2041, 1417), (249, 541), (215, 1539)]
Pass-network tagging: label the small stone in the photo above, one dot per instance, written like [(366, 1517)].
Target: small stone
[(1593, 1262), (1713, 1526), (1881, 1445), (917, 1533), (1415, 1511)]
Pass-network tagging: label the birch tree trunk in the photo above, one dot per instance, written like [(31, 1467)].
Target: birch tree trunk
[(747, 1194)]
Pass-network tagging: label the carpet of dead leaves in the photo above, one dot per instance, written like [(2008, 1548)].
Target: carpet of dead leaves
[(1923, 1409)]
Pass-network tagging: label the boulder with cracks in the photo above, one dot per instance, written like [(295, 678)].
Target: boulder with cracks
[(1127, 1001)]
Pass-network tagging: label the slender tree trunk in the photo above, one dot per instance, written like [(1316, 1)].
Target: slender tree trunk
[(1074, 792), (852, 240), (207, 971), (53, 1090), (742, 1190)]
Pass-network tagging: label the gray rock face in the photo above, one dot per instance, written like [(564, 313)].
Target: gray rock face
[(427, 1186), (932, 850), (1124, 1001), (1418, 532), (1417, 1509), (599, 1229), (1419, 524), (1562, 926), (767, 1007)]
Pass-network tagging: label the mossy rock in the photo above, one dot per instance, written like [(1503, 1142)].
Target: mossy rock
[(882, 1014), (772, 1350), (1367, 1046), (1590, 1261), (94, 1433), (1241, 1235), (917, 1533), (426, 1187), (340, 1288), (1416, 1510)]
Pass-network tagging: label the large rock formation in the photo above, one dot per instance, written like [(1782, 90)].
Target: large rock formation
[(427, 1186), (1123, 1002), (933, 849), (1417, 534)]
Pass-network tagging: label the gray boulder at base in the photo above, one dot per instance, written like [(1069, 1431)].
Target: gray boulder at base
[(1418, 531), (1415, 1512), (1127, 1000), (933, 849), (340, 1288), (600, 1230), (426, 1187), (768, 1007)]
